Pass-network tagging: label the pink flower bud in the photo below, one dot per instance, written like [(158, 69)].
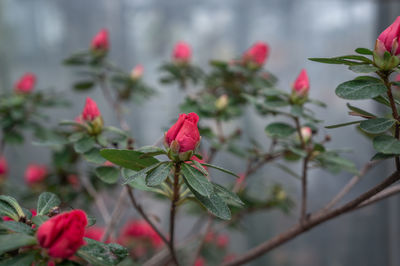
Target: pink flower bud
[(62, 235), (306, 132), (35, 174), (26, 83), (301, 86), (3, 166), (182, 52), (137, 72), (222, 241), (90, 111), (100, 41), (257, 54), (388, 40), (184, 132)]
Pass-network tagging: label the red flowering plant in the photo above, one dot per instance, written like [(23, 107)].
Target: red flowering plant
[(90, 159)]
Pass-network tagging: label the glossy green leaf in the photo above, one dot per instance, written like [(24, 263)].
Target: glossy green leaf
[(200, 167), (360, 89), (107, 174), (16, 227), (84, 144), (158, 175), (137, 181), (196, 180), (280, 130), (39, 219), (228, 195), (386, 144), (128, 158), (46, 202), (382, 156), (11, 242), (363, 68), (377, 125), (220, 169), (345, 124), (364, 51), (101, 254), (140, 174), (13, 203), (22, 259), (360, 111), (94, 156), (83, 85), (151, 151), (214, 203)]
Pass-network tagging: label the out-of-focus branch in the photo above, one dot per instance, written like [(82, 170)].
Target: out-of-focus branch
[(115, 215)]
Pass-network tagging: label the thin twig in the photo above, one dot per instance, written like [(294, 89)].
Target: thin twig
[(313, 221), (303, 215), (139, 209), (115, 215), (99, 201), (353, 181), (175, 199)]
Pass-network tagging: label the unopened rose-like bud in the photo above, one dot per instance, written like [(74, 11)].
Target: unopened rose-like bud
[(388, 41), (26, 83), (137, 72), (222, 102), (257, 54), (91, 114), (300, 88), (306, 133), (183, 137), (3, 167), (100, 41), (62, 235), (182, 52), (35, 174)]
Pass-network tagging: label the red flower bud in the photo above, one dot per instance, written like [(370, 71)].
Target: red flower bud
[(3, 166), (90, 111), (257, 54), (100, 41), (184, 132), (26, 83), (388, 40), (137, 72), (222, 241), (200, 262), (35, 174), (62, 235), (306, 133), (139, 230), (301, 86), (182, 52)]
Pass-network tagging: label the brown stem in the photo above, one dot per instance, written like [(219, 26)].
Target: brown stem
[(353, 181), (298, 128), (312, 222), (139, 208), (385, 78), (175, 198), (303, 216)]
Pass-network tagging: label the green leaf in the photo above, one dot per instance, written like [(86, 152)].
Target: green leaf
[(360, 111), (140, 174), (196, 180), (214, 203), (363, 68), (107, 174), (19, 260), (116, 131), (344, 124), (288, 170), (137, 181), (364, 51), (200, 167), (381, 156), (386, 144), (91, 220), (334, 162), (11, 242), (376, 125), (17, 227), (220, 169), (13, 203), (128, 158), (360, 89), (158, 175), (39, 219), (46, 202), (151, 151), (280, 130), (102, 254), (73, 123), (84, 144), (94, 156), (83, 85), (228, 195)]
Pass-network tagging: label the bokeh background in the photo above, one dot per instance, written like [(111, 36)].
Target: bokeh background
[(37, 35)]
